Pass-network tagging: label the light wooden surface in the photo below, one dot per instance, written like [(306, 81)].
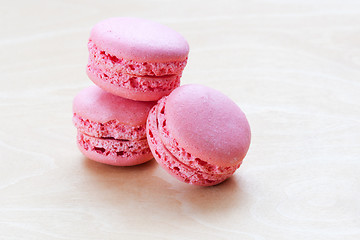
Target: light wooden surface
[(293, 66)]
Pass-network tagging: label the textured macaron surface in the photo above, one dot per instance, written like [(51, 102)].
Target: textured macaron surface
[(208, 124), (111, 129), (140, 40), (97, 105)]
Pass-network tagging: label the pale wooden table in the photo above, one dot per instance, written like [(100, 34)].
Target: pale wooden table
[(293, 67)]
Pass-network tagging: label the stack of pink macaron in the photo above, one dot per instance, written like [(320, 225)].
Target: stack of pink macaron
[(137, 109)]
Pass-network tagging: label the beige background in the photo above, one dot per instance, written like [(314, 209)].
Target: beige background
[(293, 66)]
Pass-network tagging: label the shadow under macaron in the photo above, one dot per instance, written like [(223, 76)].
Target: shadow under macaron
[(108, 171), (143, 183), (206, 201)]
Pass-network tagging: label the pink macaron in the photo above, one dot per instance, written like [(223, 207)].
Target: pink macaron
[(198, 135), (136, 58), (111, 129)]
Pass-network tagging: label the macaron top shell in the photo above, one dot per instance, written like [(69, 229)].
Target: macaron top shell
[(140, 40), (97, 105), (208, 124)]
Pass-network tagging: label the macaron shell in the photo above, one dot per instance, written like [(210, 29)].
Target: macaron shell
[(111, 129), (170, 163), (140, 40), (97, 105), (114, 152), (208, 124), (179, 152), (137, 88)]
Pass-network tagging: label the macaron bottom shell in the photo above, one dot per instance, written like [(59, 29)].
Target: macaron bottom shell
[(171, 164), (114, 152), (139, 88), (110, 129)]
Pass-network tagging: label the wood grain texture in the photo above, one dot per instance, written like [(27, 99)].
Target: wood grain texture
[(292, 66)]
